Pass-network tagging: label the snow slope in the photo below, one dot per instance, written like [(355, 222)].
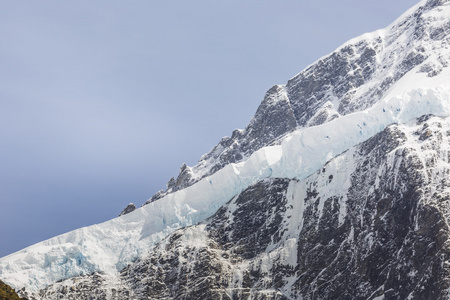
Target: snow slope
[(110, 246)]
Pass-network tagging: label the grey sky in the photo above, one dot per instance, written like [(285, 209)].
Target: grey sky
[(102, 101)]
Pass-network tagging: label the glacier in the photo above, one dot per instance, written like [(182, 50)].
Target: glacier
[(110, 246)]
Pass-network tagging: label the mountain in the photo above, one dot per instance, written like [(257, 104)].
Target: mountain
[(337, 189)]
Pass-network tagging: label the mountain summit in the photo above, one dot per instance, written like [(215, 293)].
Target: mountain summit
[(337, 189)]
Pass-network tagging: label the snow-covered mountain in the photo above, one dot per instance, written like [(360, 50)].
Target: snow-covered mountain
[(337, 189)]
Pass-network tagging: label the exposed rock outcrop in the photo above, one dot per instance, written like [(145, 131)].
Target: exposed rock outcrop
[(130, 207)]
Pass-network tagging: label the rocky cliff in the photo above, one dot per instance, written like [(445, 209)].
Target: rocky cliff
[(337, 189)]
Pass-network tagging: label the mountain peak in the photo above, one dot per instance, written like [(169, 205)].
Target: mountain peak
[(352, 78)]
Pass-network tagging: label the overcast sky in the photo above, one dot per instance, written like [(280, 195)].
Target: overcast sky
[(102, 101)]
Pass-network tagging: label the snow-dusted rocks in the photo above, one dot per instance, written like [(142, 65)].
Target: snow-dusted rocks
[(130, 207), (338, 186), (371, 220)]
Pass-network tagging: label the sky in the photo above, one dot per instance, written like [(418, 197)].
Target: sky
[(102, 101)]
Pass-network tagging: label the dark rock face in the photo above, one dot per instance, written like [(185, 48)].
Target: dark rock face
[(254, 225), (130, 207), (273, 118), (81, 287), (372, 222)]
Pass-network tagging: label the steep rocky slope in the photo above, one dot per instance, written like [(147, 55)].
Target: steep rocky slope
[(337, 189)]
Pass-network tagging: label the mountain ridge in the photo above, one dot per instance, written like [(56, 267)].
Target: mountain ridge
[(320, 93), (343, 100)]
